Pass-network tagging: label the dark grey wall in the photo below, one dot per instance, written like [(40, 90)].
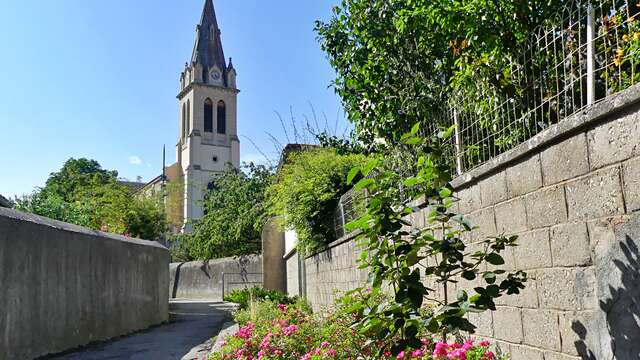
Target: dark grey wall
[(65, 286), (203, 279)]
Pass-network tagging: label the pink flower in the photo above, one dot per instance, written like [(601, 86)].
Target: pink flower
[(400, 355), (331, 352), (484, 343), (440, 349), (282, 307), (488, 355), (289, 330), (417, 353)]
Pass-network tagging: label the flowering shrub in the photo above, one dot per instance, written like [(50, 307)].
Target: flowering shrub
[(292, 332)]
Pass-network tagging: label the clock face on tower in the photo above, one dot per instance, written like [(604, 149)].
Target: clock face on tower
[(215, 75)]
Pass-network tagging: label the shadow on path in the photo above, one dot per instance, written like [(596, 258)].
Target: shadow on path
[(187, 336)]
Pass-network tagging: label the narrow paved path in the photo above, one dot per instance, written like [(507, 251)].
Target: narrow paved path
[(187, 336)]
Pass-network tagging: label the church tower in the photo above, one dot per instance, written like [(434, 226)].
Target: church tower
[(208, 117)]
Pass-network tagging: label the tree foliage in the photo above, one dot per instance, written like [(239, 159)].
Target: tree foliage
[(307, 192), (83, 193), (398, 61), (399, 258), (234, 215)]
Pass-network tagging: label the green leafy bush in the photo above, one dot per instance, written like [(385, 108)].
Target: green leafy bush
[(84, 194), (244, 296), (307, 192)]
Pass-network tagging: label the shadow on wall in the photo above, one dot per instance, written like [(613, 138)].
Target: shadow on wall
[(617, 334), (176, 281)]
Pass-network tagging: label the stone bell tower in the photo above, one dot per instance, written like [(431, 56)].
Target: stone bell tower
[(208, 117)]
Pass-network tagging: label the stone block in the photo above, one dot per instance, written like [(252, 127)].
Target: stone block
[(493, 190), (541, 328), (595, 196), (570, 245), (533, 250), (470, 200), (567, 289), (511, 217), (614, 141), (483, 322), (507, 324), (524, 177), (519, 352), (631, 181), (546, 207), (550, 355), (528, 297), (565, 160), (485, 222)]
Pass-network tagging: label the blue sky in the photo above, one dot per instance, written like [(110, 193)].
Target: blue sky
[(98, 79)]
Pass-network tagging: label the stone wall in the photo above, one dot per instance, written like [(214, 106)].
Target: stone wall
[(572, 194), (65, 286), (332, 272), (203, 279)]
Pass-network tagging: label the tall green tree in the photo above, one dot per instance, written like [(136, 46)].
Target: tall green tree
[(234, 215), (85, 194), (398, 62), (78, 176)]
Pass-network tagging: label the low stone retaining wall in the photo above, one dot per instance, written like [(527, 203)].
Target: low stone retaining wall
[(65, 286), (204, 279)]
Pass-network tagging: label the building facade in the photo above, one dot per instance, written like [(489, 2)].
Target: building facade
[(207, 138)]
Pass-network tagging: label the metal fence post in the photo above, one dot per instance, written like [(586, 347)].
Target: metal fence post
[(457, 142), (222, 286), (342, 214), (591, 83)]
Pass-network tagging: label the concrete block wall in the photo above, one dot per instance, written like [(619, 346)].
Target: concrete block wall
[(203, 279), (572, 195), (64, 286), (333, 272), (293, 275)]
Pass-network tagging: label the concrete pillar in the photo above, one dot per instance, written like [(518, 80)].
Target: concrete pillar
[(274, 268)]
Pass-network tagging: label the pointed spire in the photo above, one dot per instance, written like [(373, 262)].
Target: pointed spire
[(208, 50)]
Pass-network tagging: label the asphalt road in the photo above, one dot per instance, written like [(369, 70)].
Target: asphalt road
[(187, 336)]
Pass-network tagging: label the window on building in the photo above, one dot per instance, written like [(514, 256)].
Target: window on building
[(188, 117), (184, 121), (222, 117), (208, 115)]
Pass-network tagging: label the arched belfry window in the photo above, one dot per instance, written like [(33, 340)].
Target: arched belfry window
[(184, 121), (208, 115), (222, 117)]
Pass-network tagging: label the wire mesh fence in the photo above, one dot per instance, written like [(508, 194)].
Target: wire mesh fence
[(352, 205), (588, 53)]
